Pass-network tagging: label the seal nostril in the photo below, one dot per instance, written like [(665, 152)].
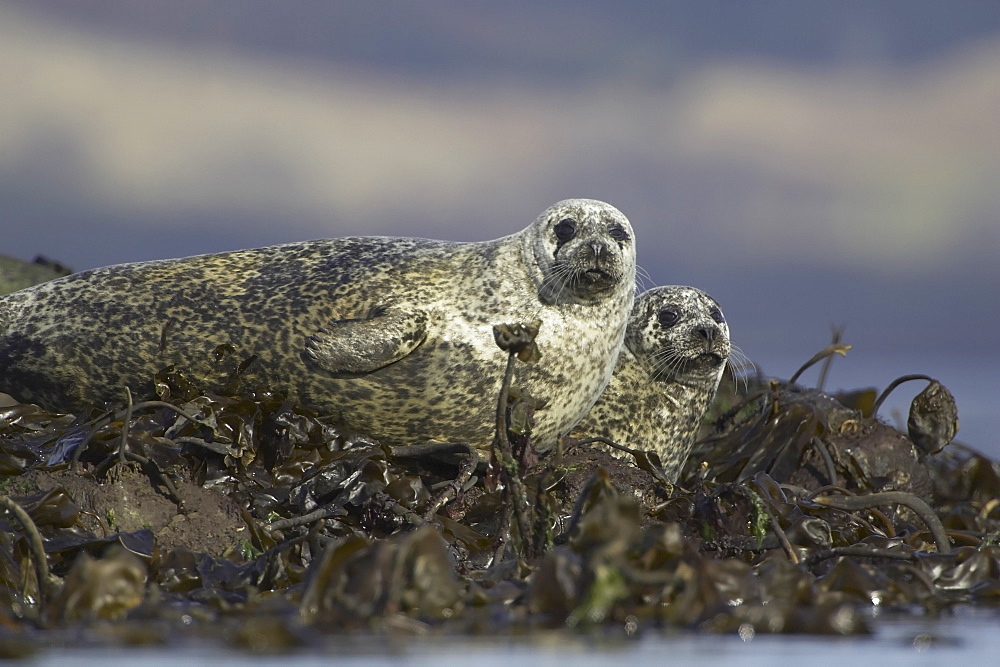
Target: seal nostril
[(708, 333)]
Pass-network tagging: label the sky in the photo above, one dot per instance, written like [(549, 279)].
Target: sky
[(808, 164)]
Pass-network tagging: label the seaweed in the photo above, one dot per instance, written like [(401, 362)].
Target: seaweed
[(242, 518)]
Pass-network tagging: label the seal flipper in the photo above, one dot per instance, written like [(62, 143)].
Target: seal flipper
[(358, 346)]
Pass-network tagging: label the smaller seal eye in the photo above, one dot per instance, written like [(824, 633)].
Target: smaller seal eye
[(565, 230), (717, 315), (668, 317), (618, 233)]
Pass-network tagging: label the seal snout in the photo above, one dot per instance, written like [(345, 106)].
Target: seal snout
[(709, 343), (713, 359), (603, 267), (601, 279), (708, 333)]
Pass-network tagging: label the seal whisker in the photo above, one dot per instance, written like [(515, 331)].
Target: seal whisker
[(666, 362), (740, 367), (641, 276)]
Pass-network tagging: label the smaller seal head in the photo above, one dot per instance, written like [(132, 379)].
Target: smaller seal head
[(584, 249), (680, 335)]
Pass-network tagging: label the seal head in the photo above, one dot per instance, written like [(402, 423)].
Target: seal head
[(679, 335), (581, 250)]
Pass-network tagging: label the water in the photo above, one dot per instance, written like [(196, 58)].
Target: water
[(970, 637)]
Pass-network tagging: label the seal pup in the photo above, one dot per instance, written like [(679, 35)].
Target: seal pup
[(676, 349), (391, 336)]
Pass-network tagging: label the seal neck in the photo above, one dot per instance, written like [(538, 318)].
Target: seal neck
[(532, 267)]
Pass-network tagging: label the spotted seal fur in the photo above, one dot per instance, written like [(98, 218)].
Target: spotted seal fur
[(676, 349), (393, 336)]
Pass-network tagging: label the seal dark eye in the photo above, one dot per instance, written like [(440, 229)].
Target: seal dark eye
[(717, 315), (668, 317), (565, 230), (618, 233)]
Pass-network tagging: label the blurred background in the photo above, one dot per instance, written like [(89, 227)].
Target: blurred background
[(808, 164)]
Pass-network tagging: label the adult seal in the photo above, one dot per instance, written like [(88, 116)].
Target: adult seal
[(676, 349), (391, 336)]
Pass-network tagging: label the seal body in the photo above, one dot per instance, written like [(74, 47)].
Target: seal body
[(391, 336), (676, 349)]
